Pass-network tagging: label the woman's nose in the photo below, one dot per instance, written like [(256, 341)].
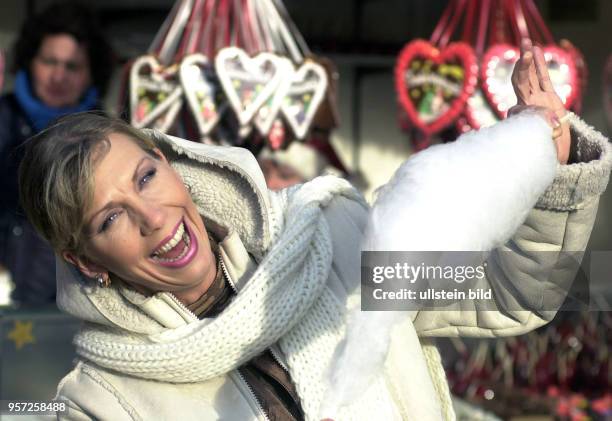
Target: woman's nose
[(152, 218), (59, 73)]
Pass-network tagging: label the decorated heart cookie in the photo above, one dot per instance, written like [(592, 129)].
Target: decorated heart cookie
[(248, 82), (582, 72), (478, 113), (307, 90), (155, 94), (433, 85), (496, 72), (202, 91), (269, 111)]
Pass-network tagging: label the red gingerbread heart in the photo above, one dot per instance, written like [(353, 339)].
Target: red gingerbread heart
[(582, 72), (496, 72), (477, 114), (434, 85)]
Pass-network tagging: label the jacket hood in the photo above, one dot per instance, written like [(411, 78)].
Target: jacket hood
[(229, 190)]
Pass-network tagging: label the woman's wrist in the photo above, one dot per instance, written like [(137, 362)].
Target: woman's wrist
[(562, 134)]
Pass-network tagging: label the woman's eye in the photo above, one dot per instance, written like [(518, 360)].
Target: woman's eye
[(108, 221), (147, 177)]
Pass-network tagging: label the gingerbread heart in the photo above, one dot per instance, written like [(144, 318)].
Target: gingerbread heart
[(307, 90), (478, 112), (434, 85), (202, 91), (496, 72), (268, 112), (155, 94), (582, 72), (248, 82)]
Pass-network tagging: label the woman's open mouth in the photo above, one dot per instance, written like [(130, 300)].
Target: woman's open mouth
[(179, 250)]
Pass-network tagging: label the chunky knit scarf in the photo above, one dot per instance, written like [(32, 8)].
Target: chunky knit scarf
[(286, 301)]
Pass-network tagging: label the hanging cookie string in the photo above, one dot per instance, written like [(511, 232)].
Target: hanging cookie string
[(537, 22), (437, 87), (238, 69), (484, 18)]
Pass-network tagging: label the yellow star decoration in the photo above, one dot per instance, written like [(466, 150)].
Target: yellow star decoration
[(22, 334)]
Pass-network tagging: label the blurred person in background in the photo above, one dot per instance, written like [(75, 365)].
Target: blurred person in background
[(62, 64), (301, 162)]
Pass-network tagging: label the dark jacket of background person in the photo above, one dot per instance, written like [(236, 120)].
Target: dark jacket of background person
[(23, 113), (26, 256)]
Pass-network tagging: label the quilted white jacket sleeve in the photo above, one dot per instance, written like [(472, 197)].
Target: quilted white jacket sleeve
[(524, 272)]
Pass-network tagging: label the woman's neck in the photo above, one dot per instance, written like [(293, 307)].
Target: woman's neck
[(191, 296)]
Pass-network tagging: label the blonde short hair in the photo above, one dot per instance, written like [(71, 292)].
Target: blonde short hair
[(56, 180)]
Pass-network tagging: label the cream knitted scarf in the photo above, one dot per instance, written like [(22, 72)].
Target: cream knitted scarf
[(285, 301)]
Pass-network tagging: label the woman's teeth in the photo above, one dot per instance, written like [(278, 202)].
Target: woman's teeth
[(173, 241), (181, 234)]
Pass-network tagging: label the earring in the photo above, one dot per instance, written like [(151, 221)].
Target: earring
[(103, 281)]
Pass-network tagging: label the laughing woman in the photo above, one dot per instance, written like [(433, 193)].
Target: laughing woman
[(206, 296)]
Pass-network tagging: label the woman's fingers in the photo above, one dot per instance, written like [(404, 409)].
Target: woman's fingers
[(520, 74), (546, 113), (560, 134), (542, 71), (515, 110), (557, 131), (525, 79), (520, 79), (527, 54), (534, 82)]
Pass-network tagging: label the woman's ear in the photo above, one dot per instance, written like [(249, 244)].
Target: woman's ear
[(84, 265), (160, 155)]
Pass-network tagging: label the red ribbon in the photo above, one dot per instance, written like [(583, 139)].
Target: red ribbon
[(441, 25), (485, 11), (469, 20), (226, 23), (521, 22), (511, 14), (533, 12), (254, 43), (171, 18), (196, 29), (500, 26), (450, 29), (180, 52)]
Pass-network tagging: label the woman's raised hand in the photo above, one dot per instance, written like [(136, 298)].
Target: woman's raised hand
[(533, 88)]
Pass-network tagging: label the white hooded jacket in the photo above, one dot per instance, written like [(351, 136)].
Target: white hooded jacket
[(229, 190)]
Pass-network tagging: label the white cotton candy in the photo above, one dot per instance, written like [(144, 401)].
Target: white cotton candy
[(469, 195), (362, 352)]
